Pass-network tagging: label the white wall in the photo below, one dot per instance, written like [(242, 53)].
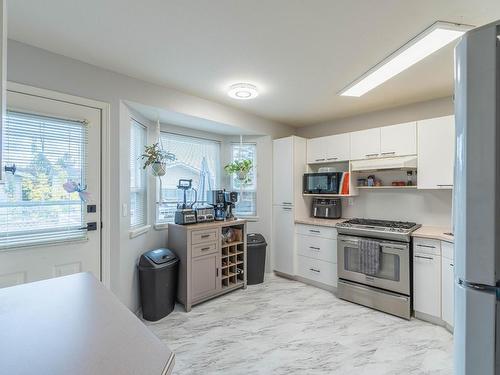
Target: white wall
[(39, 68), (431, 207)]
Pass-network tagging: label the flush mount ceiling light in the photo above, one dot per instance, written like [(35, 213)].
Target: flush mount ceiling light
[(243, 91), (429, 41)]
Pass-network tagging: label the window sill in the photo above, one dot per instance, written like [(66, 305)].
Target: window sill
[(136, 232), (249, 218), (161, 226)]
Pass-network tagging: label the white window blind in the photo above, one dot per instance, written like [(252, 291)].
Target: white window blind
[(138, 188), (34, 207), (247, 201), (197, 159)]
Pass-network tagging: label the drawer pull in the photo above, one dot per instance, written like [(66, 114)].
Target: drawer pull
[(314, 248), (428, 246), (332, 159), (320, 159), (205, 235), (422, 257), (389, 153), (444, 185), (370, 155), (205, 248), (314, 231), (314, 270)]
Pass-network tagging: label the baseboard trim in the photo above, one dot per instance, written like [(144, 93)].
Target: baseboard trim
[(432, 319), (303, 280)]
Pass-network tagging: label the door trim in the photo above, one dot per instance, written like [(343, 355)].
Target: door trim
[(105, 163)]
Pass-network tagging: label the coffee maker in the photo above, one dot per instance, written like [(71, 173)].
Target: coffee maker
[(216, 199), (230, 199)]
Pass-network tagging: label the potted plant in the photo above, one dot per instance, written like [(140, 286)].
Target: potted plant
[(240, 168), (157, 159)]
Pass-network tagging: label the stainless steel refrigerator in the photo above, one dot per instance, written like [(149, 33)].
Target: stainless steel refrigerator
[(476, 200)]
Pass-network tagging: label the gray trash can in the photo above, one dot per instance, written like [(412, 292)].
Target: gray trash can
[(256, 258), (158, 283)]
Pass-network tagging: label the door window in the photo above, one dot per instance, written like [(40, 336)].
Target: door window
[(45, 158)]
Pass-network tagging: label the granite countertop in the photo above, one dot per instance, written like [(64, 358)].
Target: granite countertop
[(433, 232), (319, 222)]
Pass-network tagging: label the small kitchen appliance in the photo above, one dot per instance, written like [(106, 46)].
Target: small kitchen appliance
[(230, 200), (185, 214), (216, 199), (205, 214), (326, 208), (322, 183)]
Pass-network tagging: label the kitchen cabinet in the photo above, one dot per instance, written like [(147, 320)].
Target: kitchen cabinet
[(447, 282), (209, 266), (329, 149), (365, 144), (427, 277), (317, 254), (398, 140), (205, 276), (283, 240), (436, 153), (283, 172)]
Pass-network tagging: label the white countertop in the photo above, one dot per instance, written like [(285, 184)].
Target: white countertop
[(74, 325), (433, 232), (318, 222)]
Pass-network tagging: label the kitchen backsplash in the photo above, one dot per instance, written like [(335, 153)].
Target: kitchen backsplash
[(430, 207)]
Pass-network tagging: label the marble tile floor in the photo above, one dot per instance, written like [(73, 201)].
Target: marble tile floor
[(286, 327)]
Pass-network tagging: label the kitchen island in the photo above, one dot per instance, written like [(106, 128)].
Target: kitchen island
[(74, 325)]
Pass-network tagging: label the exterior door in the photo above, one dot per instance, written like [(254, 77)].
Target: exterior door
[(50, 191)]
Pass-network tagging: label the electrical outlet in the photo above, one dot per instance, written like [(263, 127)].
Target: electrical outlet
[(350, 201)]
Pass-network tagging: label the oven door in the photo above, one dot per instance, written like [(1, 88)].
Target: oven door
[(394, 273)]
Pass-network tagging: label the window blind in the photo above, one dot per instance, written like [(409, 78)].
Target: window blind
[(247, 201), (138, 190), (197, 159), (34, 207)]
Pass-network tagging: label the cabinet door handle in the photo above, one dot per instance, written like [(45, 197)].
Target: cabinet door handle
[(427, 246), (422, 257), (314, 248), (452, 265), (320, 159), (217, 272), (314, 270), (370, 155), (332, 159), (287, 208), (389, 153), (444, 185)]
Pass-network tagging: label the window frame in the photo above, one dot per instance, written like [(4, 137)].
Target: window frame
[(141, 227), (235, 145), (163, 224)]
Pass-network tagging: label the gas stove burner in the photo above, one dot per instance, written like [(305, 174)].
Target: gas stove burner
[(381, 223), (396, 230)]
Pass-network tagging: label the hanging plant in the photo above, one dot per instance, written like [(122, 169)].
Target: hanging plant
[(157, 158), (240, 168)]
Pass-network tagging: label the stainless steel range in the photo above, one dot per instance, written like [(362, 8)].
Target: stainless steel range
[(374, 264)]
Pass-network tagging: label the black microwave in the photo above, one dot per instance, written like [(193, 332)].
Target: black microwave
[(322, 183)]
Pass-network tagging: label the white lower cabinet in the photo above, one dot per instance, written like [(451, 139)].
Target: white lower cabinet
[(317, 270), (317, 254), (427, 277), (447, 282), (283, 240)]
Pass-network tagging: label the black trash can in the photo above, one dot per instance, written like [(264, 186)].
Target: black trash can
[(256, 258), (158, 283)]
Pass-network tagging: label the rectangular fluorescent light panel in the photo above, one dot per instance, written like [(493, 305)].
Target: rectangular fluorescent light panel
[(429, 41)]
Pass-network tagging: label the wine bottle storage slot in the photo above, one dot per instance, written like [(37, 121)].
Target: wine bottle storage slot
[(232, 257)]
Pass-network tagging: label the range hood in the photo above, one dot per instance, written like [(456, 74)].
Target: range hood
[(400, 163)]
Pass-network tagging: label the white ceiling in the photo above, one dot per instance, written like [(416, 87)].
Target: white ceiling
[(299, 53)]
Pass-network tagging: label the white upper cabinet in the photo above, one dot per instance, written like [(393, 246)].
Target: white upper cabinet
[(365, 144), (337, 147), (436, 152), (316, 150), (328, 149), (398, 140), (283, 174)]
